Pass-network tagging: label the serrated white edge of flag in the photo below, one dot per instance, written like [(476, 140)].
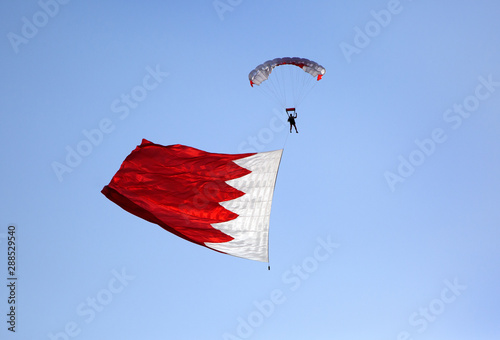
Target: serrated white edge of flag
[(250, 229)]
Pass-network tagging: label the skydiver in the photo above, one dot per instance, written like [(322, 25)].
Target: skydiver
[(291, 120)]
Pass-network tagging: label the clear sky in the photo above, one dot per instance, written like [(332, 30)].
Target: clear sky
[(385, 219)]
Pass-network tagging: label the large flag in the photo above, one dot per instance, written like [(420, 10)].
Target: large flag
[(220, 201)]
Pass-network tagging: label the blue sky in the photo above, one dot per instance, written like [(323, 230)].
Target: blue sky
[(385, 219)]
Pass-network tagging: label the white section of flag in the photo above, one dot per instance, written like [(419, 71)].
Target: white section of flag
[(250, 229)]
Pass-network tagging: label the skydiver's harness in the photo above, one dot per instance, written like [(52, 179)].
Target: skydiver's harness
[(291, 120)]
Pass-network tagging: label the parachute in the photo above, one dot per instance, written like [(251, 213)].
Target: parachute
[(219, 201), (287, 80)]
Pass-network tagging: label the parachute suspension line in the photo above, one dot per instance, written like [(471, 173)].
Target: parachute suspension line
[(293, 75), (277, 79), (296, 85), (271, 87), (267, 91), (292, 85), (293, 88), (300, 77), (304, 83), (282, 84), (309, 84), (296, 92), (276, 88)]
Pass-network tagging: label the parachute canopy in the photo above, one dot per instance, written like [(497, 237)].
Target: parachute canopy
[(287, 80), (262, 72), (220, 201)]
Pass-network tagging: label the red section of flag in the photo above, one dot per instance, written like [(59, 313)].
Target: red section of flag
[(178, 188)]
